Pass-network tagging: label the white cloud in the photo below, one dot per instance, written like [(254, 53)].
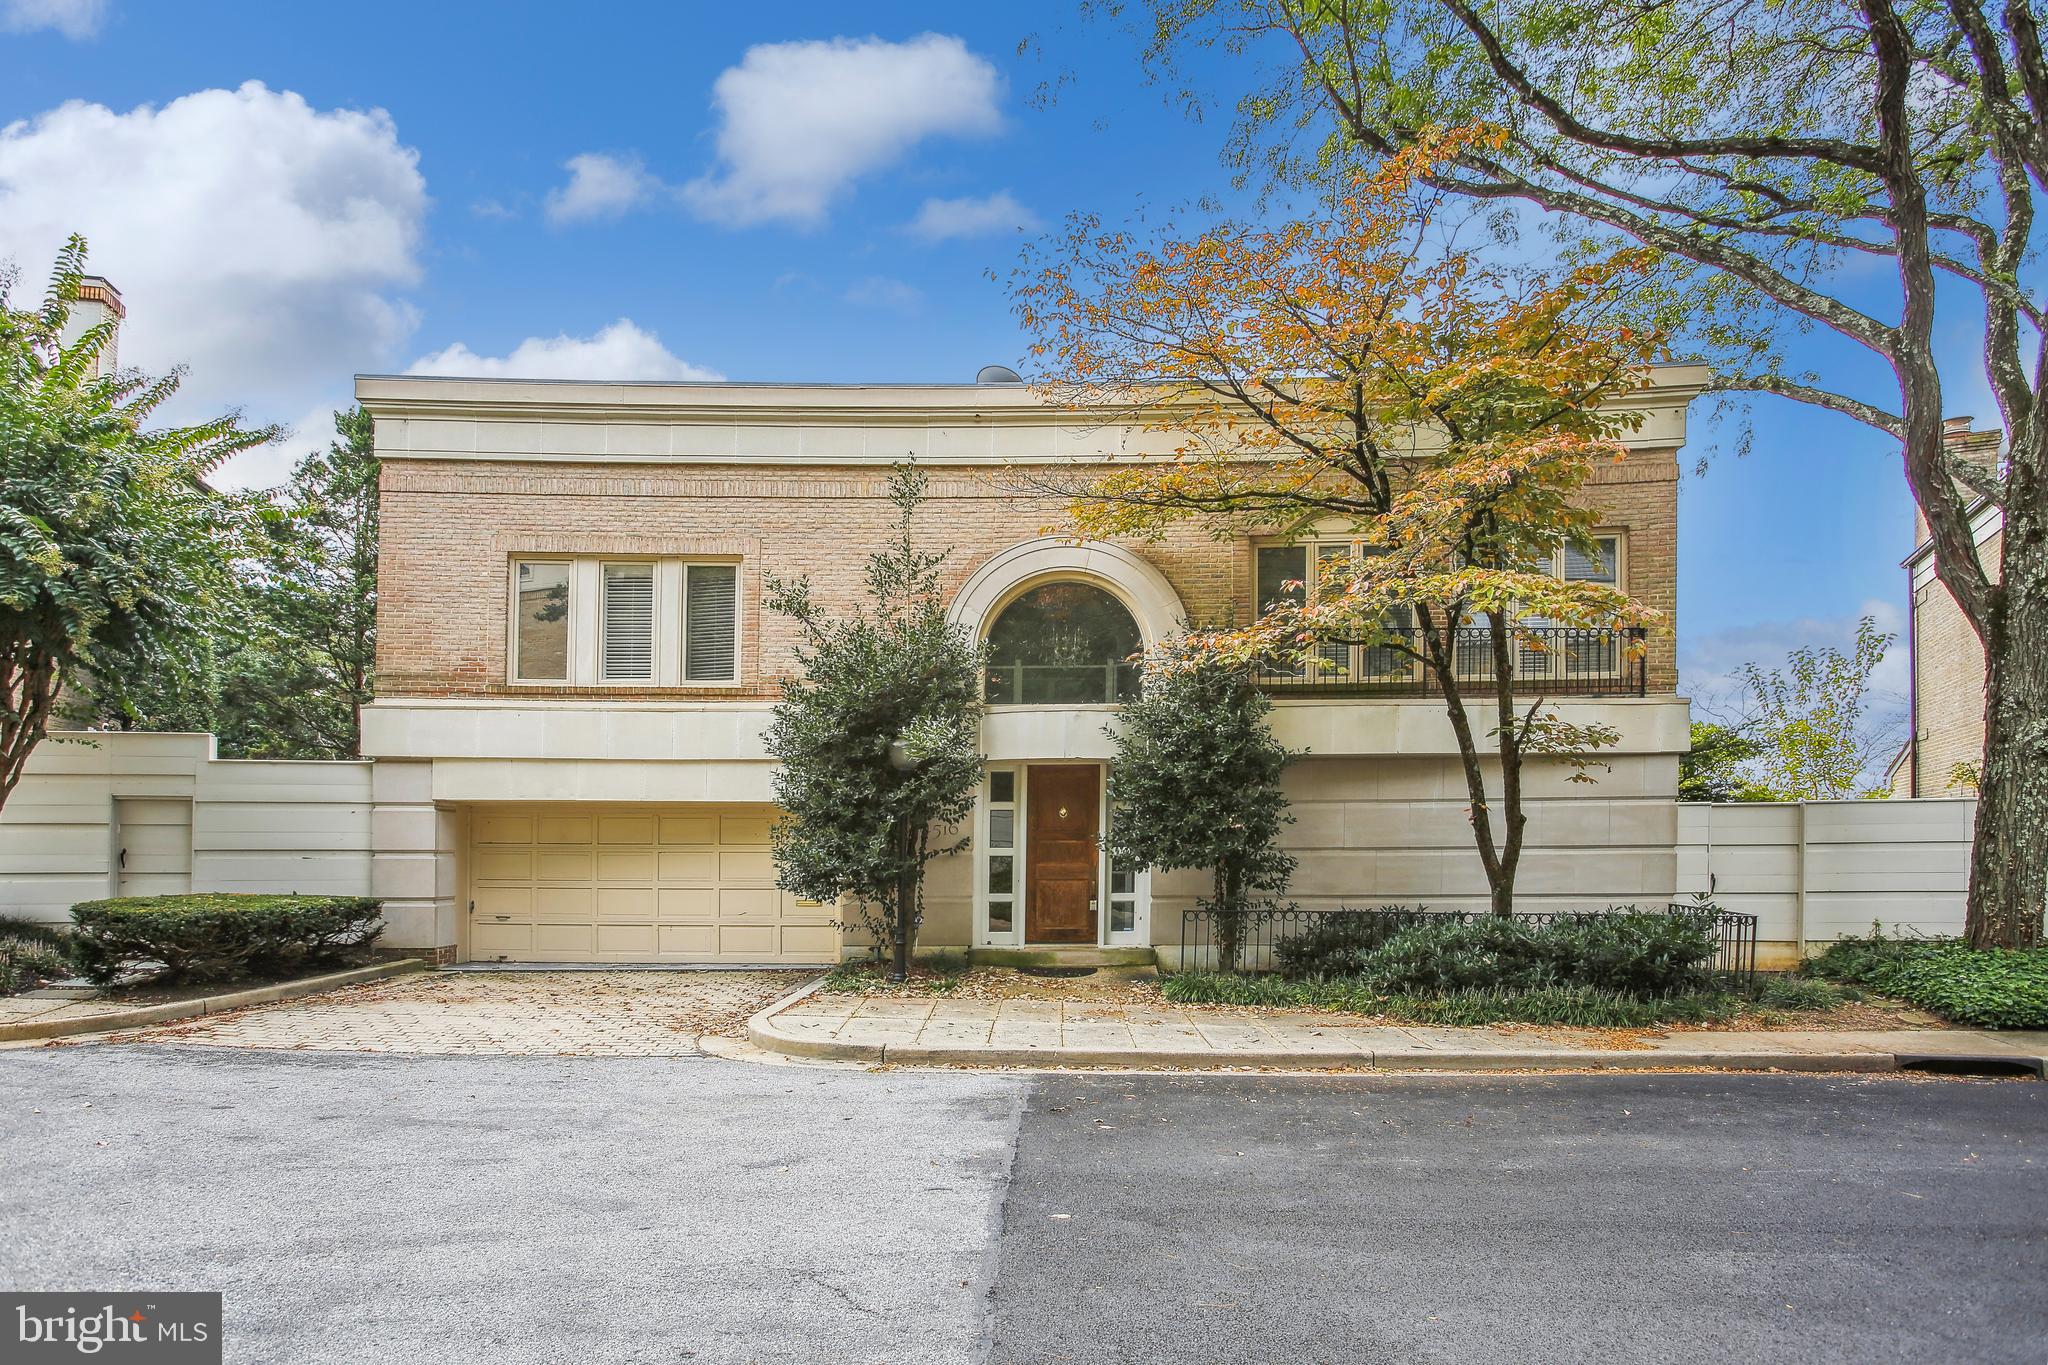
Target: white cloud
[(800, 122), (939, 220), (1708, 664), (600, 186), (72, 18), (622, 351), (253, 238), (880, 291), (494, 210)]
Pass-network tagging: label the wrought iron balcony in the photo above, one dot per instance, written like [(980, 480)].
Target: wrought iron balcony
[(1093, 684), (1552, 660)]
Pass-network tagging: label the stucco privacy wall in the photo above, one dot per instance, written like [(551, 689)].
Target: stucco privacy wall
[(1814, 871), (246, 825), (1379, 802)]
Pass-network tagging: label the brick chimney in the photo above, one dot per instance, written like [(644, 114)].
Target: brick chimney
[(98, 302), (1980, 448)]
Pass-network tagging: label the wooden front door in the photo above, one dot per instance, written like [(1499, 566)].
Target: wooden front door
[(1061, 853)]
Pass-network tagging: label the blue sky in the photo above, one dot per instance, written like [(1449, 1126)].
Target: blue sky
[(782, 192)]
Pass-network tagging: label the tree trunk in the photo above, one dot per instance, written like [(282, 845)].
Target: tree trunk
[(906, 901), (2009, 861), (28, 693), (1441, 649), (1229, 922), (1501, 881)]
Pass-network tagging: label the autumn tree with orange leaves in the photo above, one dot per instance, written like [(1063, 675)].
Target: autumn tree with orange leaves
[(1358, 376)]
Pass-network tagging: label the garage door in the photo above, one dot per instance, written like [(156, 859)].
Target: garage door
[(635, 884)]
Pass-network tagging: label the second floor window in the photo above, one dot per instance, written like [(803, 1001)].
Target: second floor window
[(1063, 644), (1304, 564), (652, 622), (1544, 649)]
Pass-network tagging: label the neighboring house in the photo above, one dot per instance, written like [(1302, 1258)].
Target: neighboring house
[(575, 672), (1945, 704)]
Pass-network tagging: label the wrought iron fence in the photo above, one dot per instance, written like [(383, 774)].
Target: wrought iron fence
[(1559, 660), (1247, 941)]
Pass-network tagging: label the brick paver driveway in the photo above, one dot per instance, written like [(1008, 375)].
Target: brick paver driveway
[(568, 1014)]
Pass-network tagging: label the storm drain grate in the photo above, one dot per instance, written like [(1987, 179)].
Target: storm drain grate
[(1951, 1064)]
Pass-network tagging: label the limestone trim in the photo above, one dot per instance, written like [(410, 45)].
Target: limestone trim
[(1152, 602)]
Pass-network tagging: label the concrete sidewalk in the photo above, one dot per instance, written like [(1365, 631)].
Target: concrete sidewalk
[(914, 1032)]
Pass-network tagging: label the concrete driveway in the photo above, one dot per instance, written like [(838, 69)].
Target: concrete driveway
[(503, 1013), (352, 1207)]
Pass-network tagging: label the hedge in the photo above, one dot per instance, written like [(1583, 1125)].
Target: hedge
[(1412, 953), (212, 937)]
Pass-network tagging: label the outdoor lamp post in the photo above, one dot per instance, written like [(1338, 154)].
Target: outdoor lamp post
[(906, 875)]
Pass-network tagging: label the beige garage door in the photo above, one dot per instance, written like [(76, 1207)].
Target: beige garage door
[(635, 884)]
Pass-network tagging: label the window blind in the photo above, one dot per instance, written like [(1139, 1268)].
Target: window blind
[(629, 622), (711, 623), (1582, 568)]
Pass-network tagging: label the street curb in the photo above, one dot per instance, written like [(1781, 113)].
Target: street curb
[(761, 1032), (1092, 1059), (762, 1036), (143, 1015)]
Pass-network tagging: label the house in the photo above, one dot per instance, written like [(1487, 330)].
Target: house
[(575, 672), (1945, 659)]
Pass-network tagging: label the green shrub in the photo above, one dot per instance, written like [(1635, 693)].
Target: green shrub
[(1652, 954), (1411, 952), (1449, 955), (1987, 987), (31, 952), (1800, 993), (1577, 1006), (1335, 945), (23, 931), (212, 937), (1862, 959)]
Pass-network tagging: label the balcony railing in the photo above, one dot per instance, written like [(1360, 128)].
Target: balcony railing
[(1112, 680), (1554, 660)]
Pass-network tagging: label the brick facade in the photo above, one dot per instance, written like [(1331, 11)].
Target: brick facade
[(451, 528)]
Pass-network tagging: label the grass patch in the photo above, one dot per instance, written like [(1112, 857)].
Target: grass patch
[(1574, 1006), (1997, 988), (935, 974)]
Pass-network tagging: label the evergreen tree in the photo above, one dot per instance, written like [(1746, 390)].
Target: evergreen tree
[(879, 739), (1196, 785)]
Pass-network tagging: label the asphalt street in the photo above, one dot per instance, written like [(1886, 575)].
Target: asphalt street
[(525, 1209), (1601, 1218)]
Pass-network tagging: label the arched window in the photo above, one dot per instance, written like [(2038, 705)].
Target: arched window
[(1063, 644)]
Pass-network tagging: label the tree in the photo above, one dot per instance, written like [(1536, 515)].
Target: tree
[(1195, 784), (314, 600), (1333, 372), (1714, 768), (1811, 733), (879, 739), (1777, 157), (289, 662), (114, 552)]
